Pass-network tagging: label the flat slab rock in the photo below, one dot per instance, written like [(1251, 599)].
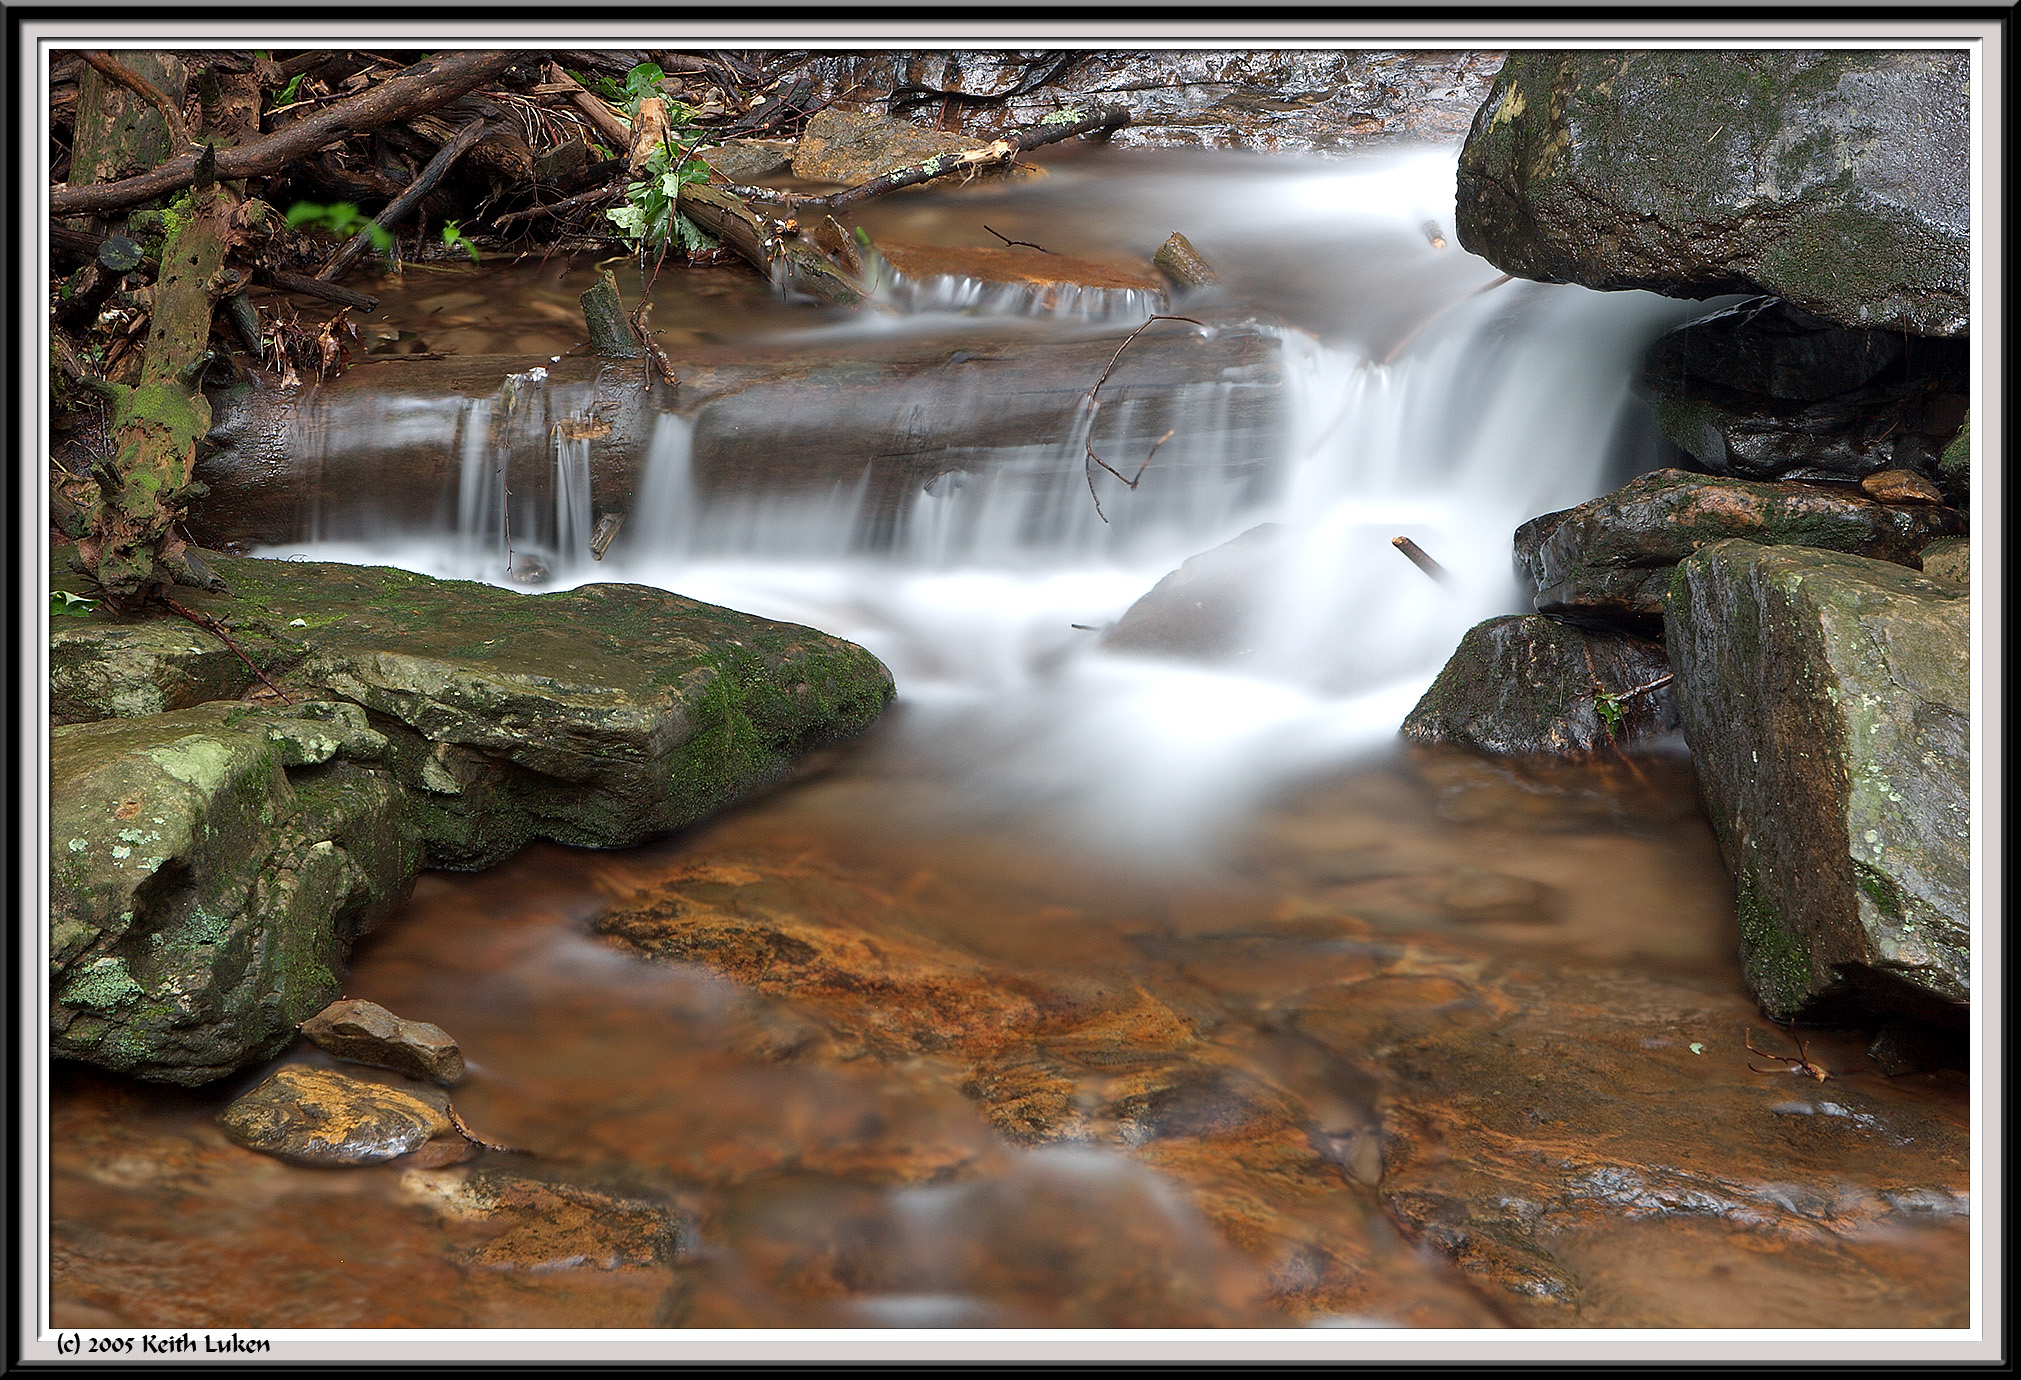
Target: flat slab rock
[(321, 1117), (851, 147), (1827, 702), (367, 1033), (1017, 264), (1610, 558), (1527, 685)]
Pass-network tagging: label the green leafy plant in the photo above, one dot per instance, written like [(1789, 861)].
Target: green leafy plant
[(453, 237), (650, 217), (642, 81), (286, 95), (340, 219), (64, 604), (1609, 707)]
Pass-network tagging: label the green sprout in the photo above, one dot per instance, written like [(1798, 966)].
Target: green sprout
[(64, 604), (340, 219), (453, 238)]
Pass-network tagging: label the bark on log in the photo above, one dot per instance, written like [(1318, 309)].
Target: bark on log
[(603, 311), (615, 131), (156, 424), (169, 110), (421, 87), (118, 132)]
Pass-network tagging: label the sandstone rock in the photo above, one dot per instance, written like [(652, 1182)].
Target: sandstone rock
[(1610, 558), (1900, 486), (1526, 684), (203, 893), (366, 1033), (1826, 699), (596, 717), (1764, 388), (103, 666), (322, 1117), (838, 146), (1839, 180), (1204, 610), (1184, 264)]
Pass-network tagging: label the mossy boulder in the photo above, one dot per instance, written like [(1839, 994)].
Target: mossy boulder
[(1826, 699), (1610, 559), (209, 870), (596, 717), (1840, 180), (1533, 686)]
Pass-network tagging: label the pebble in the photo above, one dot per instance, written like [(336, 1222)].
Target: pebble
[(366, 1033)]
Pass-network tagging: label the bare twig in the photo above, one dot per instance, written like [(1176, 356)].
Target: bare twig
[(1416, 330), (1026, 243), (556, 208), (178, 129), (471, 1136), (1800, 1063), (1094, 410), (217, 630)]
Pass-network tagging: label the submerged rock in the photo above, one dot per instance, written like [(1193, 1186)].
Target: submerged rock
[(206, 884), (747, 160), (367, 1033), (1763, 389), (1043, 281), (1840, 180), (547, 1223), (1529, 685), (322, 1117), (1826, 699), (1205, 610), (1611, 558)]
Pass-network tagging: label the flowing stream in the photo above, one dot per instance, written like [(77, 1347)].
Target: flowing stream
[(1183, 862)]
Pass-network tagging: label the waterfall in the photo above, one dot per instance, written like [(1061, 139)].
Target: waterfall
[(1403, 391)]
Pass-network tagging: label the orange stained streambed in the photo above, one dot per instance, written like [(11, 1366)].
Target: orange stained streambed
[(1429, 1043)]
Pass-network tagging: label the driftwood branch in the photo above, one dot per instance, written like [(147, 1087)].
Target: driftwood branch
[(616, 131), (1094, 410), (437, 168), (178, 129), (557, 208), (1422, 559), (217, 630), (420, 88)]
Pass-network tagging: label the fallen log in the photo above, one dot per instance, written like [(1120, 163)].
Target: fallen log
[(420, 88), (171, 114)]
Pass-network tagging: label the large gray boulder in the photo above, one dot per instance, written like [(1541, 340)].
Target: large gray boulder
[(1840, 180), (208, 874), (1826, 699)]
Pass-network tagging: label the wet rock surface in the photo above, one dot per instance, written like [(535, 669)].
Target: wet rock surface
[(1527, 684), (1826, 698), (1283, 101), (1018, 265), (1611, 558), (849, 147), (207, 879), (1436, 1067), (321, 1117), (1837, 180), (367, 1033), (1763, 389), (1201, 611)]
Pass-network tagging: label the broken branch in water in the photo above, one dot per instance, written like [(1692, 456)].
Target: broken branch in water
[(1094, 410), (1414, 331), (1423, 561), (471, 1136), (1801, 1063)]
